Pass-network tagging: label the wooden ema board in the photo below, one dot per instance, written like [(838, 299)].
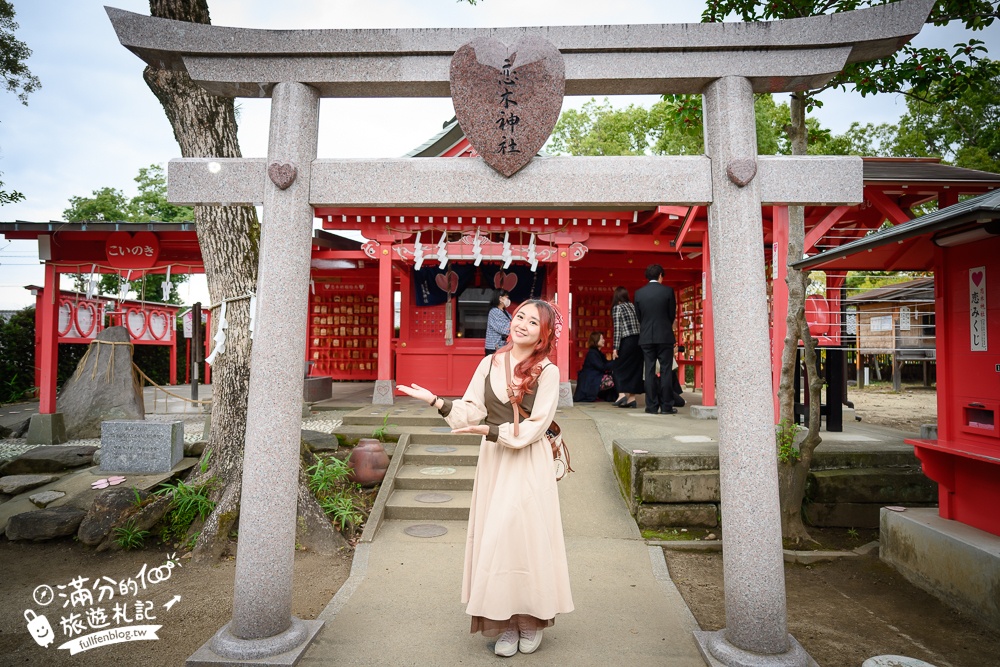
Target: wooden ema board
[(591, 312), (343, 329), (690, 313), (428, 322)]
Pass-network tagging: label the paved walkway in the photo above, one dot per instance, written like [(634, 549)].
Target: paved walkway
[(402, 606)]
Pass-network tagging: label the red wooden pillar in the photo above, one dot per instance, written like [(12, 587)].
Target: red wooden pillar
[(779, 297), (947, 197), (562, 298), (385, 312), (707, 328), (48, 359), (39, 295)]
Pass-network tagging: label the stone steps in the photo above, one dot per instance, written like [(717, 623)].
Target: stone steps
[(423, 505), (436, 477)]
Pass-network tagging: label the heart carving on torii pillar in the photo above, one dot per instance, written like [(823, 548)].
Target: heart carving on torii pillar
[(507, 99)]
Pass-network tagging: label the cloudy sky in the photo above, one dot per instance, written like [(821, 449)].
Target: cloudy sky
[(94, 123)]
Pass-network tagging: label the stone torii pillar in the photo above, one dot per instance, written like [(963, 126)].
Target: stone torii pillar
[(753, 564), (263, 625)]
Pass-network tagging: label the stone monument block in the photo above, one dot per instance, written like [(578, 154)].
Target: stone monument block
[(141, 446)]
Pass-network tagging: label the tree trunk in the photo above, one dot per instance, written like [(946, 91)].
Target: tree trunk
[(792, 475), (205, 126)]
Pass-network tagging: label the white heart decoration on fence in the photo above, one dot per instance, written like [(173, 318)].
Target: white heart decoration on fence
[(159, 322), (65, 317), (85, 317), (137, 323)]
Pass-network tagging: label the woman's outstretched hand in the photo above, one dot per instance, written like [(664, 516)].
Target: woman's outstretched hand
[(478, 429), (416, 391)]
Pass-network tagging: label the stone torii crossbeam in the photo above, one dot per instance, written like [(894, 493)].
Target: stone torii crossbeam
[(725, 62)]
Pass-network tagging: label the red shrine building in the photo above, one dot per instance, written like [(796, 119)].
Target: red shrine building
[(442, 265)]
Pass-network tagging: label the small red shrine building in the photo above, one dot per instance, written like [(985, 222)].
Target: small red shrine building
[(952, 552), (961, 245), (572, 256)]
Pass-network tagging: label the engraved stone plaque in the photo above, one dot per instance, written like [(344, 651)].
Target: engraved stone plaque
[(141, 446), (507, 98)]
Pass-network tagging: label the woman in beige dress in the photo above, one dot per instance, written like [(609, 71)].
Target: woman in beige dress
[(515, 578)]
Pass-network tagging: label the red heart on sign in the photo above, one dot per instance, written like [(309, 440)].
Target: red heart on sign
[(977, 277), (507, 99), (504, 281), (126, 251)]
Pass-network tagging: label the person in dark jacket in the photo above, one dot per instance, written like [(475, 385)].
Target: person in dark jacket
[(595, 365), (657, 309), (626, 353)]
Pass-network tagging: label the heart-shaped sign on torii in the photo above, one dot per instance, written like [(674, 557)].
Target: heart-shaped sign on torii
[(449, 283), (507, 98)]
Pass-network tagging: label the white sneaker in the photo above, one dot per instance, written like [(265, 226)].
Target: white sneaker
[(507, 644), (529, 641)]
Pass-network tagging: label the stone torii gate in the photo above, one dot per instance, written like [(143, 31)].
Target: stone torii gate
[(725, 62)]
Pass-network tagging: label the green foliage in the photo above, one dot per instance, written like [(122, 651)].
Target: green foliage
[(17, 355), (17, 78), (205, 458), (860, 282), (14, 54), (187, 504), (136, 497), (105, 204), (342, 501), (785, 438), (129, 537), (343, 510), (380, 432), (964, 131), (672, 126), (925, 73), (151, 204), (326, 474)]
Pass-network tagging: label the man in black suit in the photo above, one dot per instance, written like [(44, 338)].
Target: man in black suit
[(656, 307)]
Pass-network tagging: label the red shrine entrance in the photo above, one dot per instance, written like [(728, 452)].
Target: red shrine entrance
[(580, 256), (576, 256)]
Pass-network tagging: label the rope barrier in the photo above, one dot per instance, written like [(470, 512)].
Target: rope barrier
[(169, 393)]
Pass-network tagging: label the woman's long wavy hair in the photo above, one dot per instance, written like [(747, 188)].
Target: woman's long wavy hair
[(531, 368)]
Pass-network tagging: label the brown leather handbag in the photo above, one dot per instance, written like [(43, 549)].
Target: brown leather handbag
[(553, 434)]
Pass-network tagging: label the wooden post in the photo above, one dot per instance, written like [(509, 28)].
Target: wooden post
[(779, 299)]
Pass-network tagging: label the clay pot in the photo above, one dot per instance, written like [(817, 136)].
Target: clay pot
[(368, 462)]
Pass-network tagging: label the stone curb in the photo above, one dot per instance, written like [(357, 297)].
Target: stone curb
[(790, 555)]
